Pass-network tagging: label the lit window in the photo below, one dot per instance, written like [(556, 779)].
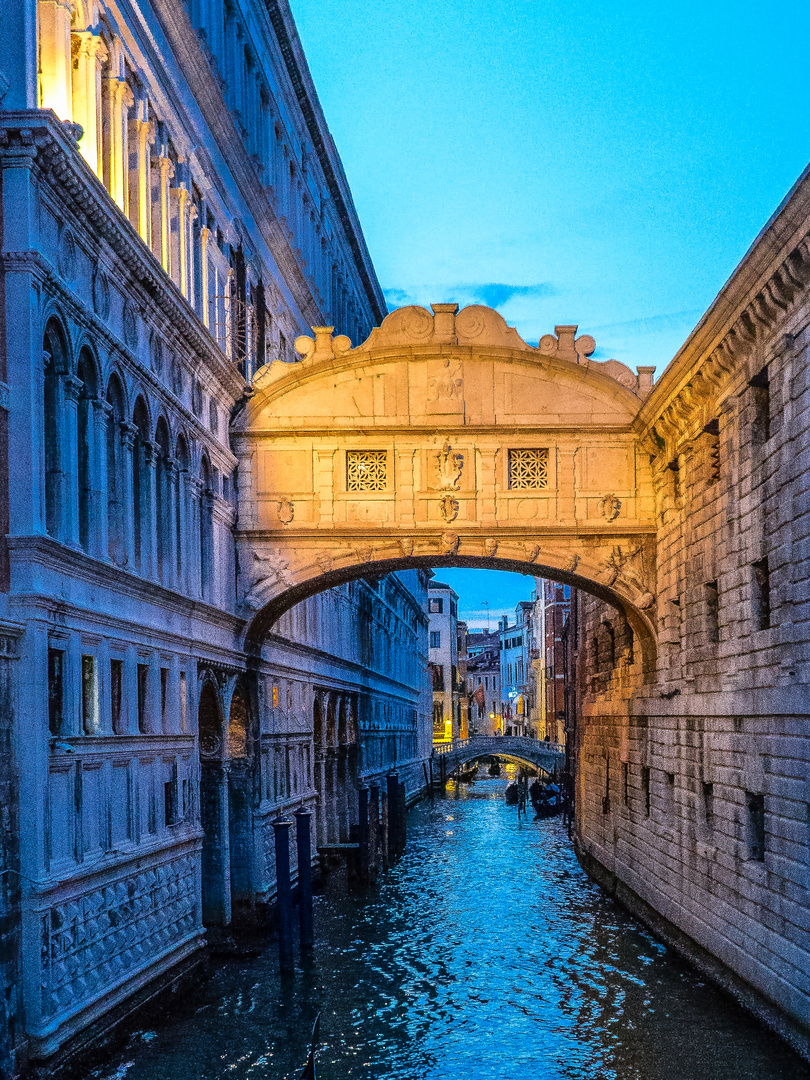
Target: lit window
[(528, 469), (366, 470)]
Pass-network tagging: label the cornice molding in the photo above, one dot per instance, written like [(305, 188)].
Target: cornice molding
[(61, 165)]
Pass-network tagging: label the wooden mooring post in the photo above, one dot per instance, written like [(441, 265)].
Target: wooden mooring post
[(303, 837), (286, 957)]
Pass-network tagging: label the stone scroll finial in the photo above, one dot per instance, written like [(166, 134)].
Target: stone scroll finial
[(323, 346)]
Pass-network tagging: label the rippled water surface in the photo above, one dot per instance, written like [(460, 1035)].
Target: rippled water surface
[(486, 953)]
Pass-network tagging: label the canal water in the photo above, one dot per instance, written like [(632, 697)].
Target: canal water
[(485, 954)]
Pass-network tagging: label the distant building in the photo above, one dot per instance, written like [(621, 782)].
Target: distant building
[(461, 679), (553, 610), (484, 683), (443, 657), (517, 689)]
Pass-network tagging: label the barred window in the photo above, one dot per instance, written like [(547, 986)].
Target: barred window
[(528, 469), (366, 470)]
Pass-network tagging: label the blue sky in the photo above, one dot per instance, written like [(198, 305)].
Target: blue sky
[(606, 164), (566, 161), (501, 589)]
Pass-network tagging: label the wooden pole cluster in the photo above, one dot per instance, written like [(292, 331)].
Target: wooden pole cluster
[(284, 893)]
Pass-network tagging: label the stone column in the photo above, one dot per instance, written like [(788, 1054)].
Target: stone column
[(88, 54), (171, 569), (194, 560), (128, 433), (69, 459), (206, 314), (101, 416), (166, 173), (139, 180), (149, 512), (55, 60), (118, 100), (190, 217)]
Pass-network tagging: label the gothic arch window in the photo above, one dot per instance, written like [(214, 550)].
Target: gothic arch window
[(207, 530), (116, 499), (163, 499), (85, 444), (140, 484), (54, 356)]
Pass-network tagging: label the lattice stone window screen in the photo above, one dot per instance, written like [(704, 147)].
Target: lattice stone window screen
[(366, 470), (528, 469)]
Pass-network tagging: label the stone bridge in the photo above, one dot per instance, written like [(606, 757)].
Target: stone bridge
[(445, 440), (514, 748)]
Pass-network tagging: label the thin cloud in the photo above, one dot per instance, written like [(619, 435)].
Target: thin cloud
[(492, 294)]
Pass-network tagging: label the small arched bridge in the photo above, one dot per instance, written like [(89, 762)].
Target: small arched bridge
[(515, 748)]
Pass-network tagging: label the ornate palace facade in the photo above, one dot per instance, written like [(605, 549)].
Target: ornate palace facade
[(174, 215)]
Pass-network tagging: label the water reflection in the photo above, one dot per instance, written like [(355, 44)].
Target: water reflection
[(486, 953)]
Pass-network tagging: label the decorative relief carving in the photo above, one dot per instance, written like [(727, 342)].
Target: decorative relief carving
[(609, 507), (449, 543), (448, 468), (130, 324), (532, 551), (490, 546), (325, 562), (101, 295), (449, 508), (364, 552), (448, 383), (90, 942), (406, 546), (271, 569), (572, 564), (627, 565), (286, 511), (66, 255)]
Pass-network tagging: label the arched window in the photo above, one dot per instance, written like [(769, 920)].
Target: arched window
[(85, 436), (54, 353), (140, 489), (163, 501), (116, 505), (207, 531)]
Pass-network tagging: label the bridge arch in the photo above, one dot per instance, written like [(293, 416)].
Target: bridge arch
[(445, 440)]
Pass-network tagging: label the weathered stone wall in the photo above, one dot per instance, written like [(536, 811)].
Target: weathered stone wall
[(694, 793)]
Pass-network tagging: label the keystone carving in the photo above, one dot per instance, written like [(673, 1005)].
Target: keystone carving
[(406, 546), (490, 546), (449, 543), (325, 562), (363, 552), (449, 508), (448, 468)]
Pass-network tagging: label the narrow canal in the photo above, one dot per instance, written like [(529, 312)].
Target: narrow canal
[(486, 953)]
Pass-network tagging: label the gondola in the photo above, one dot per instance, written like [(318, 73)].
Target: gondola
[(308, 1071), (466, 776), (494, 769)]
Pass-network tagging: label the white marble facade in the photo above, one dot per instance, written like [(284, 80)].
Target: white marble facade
[(174, 214)]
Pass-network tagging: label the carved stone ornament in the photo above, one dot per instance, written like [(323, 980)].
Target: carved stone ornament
[(364, 552), (646, 601), (325, 562), (448, 468), (609, 507), (449, 508), (628, 565), (286, 511), (101, 295), (449, 543), (130, 325), (406, 546), (532, 551), (66, 255), (448, 384), (490, 546), (572, 564)]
